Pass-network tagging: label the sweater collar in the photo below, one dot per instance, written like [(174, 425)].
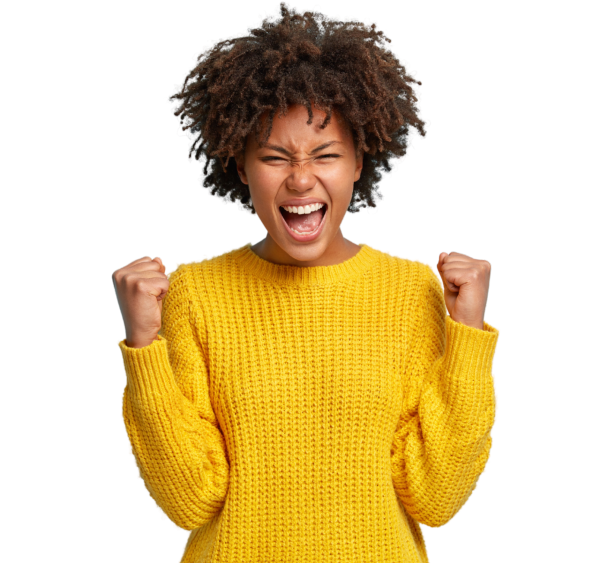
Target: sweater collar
[(284, 274)]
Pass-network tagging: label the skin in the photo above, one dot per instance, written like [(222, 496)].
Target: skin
[(330, 177)]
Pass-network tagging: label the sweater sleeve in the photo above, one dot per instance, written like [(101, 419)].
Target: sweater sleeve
[(443, 440), (178, 446)]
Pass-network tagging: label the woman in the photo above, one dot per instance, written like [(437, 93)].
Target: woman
[(305, 398)]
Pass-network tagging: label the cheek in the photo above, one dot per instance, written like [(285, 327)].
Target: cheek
[(263, 184), (267, 176)]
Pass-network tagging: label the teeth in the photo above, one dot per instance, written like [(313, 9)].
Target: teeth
[(309, 233), (304, 210)]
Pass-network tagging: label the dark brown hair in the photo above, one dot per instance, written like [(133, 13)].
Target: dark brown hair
[(298, 59)]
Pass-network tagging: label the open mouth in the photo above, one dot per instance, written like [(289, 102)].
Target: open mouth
[(305, 224)]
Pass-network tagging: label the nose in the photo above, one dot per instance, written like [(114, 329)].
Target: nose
[(299, 174), (300, 182)]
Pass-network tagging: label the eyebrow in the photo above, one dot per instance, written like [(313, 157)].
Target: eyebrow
[(288, 153)]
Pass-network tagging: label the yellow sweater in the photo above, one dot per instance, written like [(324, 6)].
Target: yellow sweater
[(309, 414)]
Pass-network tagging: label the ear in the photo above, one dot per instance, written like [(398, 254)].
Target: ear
[(359, 165), (239, 161)]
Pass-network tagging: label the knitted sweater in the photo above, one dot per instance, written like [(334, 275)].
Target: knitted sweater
[(292, 414)]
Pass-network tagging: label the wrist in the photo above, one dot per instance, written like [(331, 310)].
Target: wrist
[(139, 341), (475, 324)]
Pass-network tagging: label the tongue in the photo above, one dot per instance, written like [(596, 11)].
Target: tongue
[(303, 223)]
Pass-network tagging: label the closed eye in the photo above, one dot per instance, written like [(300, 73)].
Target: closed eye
[(279, 158)]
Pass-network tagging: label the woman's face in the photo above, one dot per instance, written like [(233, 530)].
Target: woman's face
[(302, 165)]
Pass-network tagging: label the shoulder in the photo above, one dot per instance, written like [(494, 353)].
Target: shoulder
[(412, 271), (179, 274), (412, 264), (204, 266)]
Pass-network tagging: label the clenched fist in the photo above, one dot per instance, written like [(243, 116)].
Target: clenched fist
[(141, 287)]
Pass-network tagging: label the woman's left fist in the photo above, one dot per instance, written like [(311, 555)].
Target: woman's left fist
[(466, 284)]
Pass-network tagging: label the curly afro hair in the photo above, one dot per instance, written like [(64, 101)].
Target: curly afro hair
[(298, 59)]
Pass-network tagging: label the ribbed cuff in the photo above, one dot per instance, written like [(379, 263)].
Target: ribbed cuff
[(469, 349), (148, 369), (467, 382)]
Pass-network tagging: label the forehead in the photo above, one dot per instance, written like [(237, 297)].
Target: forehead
[(293, 131)]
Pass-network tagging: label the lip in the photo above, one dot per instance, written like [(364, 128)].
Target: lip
[(301, 201), (305, 238)]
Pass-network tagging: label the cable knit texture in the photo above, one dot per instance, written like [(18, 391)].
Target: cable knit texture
[(293, 414)]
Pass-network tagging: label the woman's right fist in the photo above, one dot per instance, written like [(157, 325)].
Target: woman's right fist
[(141, 287)]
